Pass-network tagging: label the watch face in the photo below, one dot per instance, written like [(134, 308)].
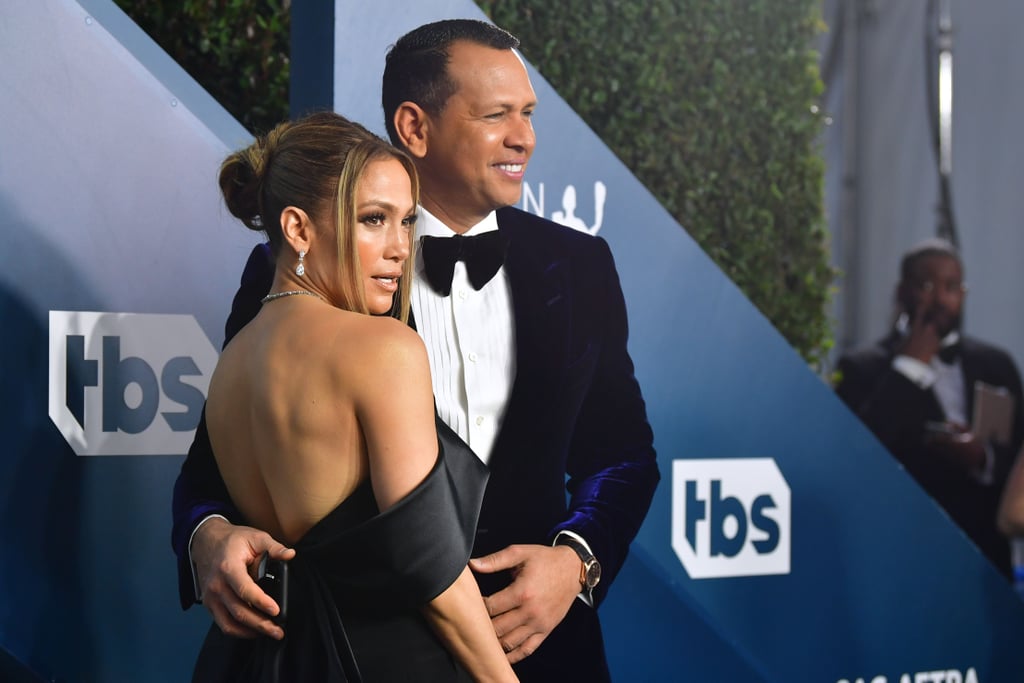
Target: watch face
[(593, 574)]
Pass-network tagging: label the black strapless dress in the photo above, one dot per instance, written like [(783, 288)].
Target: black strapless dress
[(363, 575)]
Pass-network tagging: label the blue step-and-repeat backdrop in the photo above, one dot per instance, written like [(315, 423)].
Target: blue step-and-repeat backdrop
[(784, 544)]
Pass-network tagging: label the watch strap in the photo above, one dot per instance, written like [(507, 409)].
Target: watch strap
[(586, 557)]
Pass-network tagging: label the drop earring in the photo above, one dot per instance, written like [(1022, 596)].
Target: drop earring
[(300, 269)]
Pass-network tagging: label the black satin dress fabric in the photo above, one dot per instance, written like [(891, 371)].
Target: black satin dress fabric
[(364, 575)]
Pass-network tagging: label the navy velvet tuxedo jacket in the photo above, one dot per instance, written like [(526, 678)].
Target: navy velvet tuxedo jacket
[(896, 410), (575, 419)]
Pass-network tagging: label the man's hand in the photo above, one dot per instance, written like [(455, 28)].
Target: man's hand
[(545, 582), (923, 339), (224, 555), (960, 446)]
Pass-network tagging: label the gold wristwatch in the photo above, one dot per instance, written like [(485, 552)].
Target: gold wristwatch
[(590, 572)]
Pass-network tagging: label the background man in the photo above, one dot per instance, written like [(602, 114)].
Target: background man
[(529, 366), (915, 389)]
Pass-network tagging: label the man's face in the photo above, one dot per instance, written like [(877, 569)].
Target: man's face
[(478, 146), (937, 290)]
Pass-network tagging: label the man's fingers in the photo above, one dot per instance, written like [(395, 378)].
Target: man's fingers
[(282, 552), (250, 594), (241, 608), (507, 558), (250, 621), (227, 621), (520, 644), (505, 623), (503, 601), (527, 648), (513, 641), (515, 636), (524, 612), (263, 541), (225, 555)]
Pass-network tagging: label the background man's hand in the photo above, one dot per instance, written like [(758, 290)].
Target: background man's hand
[(958, 445), (225, 556), (923, 339), (545, 582)]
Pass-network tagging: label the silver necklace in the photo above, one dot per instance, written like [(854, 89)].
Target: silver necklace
[(291, 292)]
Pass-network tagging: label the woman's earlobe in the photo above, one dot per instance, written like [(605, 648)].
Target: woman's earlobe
[(296, 228)]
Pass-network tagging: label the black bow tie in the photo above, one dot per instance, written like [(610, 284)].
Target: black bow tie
[(483, 255), (950, 354)]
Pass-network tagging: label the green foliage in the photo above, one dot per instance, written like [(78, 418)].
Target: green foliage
[(236, 49), (711, 104)]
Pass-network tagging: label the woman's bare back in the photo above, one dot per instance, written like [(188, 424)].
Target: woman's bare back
[(295, 395)]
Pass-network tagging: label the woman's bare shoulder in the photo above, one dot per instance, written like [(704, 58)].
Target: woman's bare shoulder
[(378, 344)]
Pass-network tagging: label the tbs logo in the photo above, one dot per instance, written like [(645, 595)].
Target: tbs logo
[(128, 384), (730, 517)]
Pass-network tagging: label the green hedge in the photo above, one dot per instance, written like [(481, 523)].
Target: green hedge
[(236, 49), (709, 102)]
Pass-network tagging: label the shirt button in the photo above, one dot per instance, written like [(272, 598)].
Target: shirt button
[(472, 357), (462, 294), (479, 421)]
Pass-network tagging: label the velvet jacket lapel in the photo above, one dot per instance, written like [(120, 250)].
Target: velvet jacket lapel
[(539, 284)]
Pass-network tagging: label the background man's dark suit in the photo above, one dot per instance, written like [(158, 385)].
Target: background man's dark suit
[(575, 419), (896, 410)]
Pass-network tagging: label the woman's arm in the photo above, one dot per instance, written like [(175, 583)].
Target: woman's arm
[(395, 407), (1011, 507), (459, 618)]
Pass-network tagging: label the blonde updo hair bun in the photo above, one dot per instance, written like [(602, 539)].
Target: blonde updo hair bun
[(241, 178)]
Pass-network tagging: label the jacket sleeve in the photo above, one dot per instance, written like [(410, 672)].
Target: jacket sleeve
[(199, 490), (888, 403), (612, 469)]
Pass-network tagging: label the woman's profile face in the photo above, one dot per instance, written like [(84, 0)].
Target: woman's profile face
[(385, 214)]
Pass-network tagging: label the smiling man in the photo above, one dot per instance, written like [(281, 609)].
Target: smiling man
[(526, 329), (475, 146)]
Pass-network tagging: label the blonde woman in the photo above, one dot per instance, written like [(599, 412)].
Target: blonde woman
[(320, 414)]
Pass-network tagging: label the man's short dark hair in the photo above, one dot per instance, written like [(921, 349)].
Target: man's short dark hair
[(416, 68), (920, 251)]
